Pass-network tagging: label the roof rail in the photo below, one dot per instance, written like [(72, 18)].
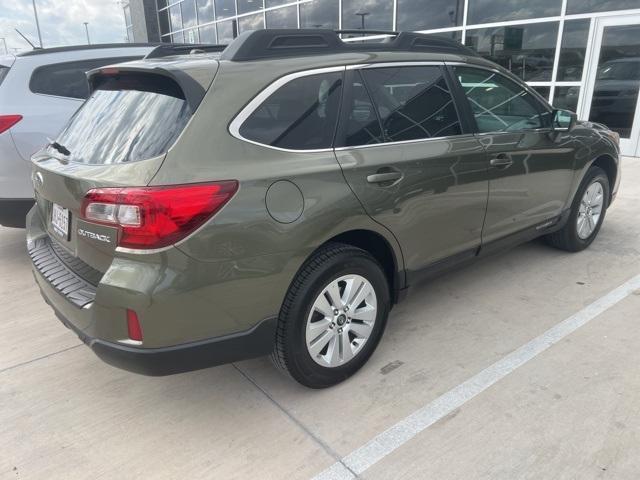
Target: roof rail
[(168, 49), (72, 48), (275, 43)]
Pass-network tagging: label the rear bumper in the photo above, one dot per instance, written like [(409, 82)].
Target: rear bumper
[(182, 358)]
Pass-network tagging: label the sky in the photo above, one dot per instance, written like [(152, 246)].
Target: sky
[(61, 22)]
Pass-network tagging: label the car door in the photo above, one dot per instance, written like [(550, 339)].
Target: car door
[(412, 162), (530, 172)]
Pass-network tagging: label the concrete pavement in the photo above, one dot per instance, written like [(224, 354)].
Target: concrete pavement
[(571, 412)]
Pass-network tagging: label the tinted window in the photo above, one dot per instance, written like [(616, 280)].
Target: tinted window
[(126, 120), (487, 11), (300, 115), (68, 79), (412, 102), (527, 50), (442, 13), (499, 104), (362, 124)]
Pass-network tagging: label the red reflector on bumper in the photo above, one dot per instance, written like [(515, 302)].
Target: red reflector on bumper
[(133, 326)]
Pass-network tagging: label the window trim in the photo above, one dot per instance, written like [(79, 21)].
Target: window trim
[(256, 102), (544, 106)]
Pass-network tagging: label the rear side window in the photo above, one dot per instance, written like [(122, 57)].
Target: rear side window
[(127, 118), (362, 124), (499, 104), (412, 102), (300, 115), (3, 73), (68, 79)]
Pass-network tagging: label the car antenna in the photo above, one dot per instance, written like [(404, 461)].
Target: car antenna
[(27, 40)]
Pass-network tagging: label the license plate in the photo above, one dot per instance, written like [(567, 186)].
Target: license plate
[(60, 220)]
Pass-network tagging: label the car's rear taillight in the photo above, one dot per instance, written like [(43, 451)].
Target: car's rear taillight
[(8, 121), (155, 217)]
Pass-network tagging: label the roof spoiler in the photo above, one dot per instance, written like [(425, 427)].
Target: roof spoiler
[(193, 90)]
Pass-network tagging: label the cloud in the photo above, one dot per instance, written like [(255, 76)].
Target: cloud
[(61, 23)]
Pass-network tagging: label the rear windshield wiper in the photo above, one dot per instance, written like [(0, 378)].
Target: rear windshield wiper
[(60, 148)]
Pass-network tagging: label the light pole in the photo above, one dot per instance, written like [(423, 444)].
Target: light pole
[(86, 29), (4, 42), (362, 15), (35, 12)]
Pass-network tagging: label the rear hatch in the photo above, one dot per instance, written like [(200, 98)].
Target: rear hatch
[(118, 138)]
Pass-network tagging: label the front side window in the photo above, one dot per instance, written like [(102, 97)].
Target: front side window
[(499, 104), (300, 115), (412, 102), (68, 79)]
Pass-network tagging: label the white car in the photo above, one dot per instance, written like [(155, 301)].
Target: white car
[(39, 91)]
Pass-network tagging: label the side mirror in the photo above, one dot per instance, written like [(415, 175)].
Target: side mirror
[(564, 120)]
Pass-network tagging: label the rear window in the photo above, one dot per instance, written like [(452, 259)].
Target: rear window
[(3, 73), (68, 79), (300, 115), (127, 118)]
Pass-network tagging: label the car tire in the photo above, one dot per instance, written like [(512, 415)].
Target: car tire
[(320, 341), (582, 226)]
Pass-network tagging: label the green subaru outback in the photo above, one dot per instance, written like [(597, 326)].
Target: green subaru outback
[(281, 195)]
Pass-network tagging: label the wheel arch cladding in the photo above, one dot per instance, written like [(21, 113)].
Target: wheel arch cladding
[(609, 165), (378, 246)]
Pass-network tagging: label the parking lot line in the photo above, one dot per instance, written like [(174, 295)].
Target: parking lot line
[(383, 444)]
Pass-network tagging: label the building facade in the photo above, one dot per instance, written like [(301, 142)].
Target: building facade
[(583, 55)]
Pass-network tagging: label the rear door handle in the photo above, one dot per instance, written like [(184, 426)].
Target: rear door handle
[(501, 161), (384, 177)]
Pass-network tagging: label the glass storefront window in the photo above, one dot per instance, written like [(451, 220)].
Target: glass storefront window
[(188, 13), (413, 14), (319, 14), (572, 52), (205, 14), (251, 22), (176, 18), (208, 34), (367, 14), (456, 35), (225, 8), (615, 93), (162, 4), (527, 50), (163, 20), (191, 36), (487, 11), (286, 17), (275, 3), (588, 6), (227, 31), (246, 6), (566, 98), (177, 37)]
